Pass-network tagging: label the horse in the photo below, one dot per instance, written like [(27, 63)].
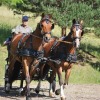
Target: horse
[(27, 49), (61, 55)]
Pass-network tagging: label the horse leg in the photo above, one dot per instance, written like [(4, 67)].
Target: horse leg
[(37, 90), (22, 78), (21, 84), (52, 84), (26, 72), (10, 71), (52, 78), (62, 95), (67, 74), (23, 90), (32, 72)]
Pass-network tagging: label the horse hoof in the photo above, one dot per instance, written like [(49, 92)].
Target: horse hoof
[(20, 90), (57, 92), (65, 86), (7, 92), (22, 93), (37, 91), (51, 94), (63, 98), (28, 98), (7, 88)]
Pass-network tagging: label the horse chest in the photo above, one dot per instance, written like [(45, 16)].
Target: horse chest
[(66, 65)]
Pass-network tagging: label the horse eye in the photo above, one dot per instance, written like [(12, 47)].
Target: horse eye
[(73, 26), (41, 25), (47, 21)]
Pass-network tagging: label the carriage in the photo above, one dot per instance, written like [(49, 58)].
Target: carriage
[(18, 75)]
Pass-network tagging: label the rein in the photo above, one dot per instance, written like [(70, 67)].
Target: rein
[(65, 42), (56, 40), (36, 36)]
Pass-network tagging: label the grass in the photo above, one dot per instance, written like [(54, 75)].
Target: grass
[(88, 74), (3, 55), (91, 43), (84, 75)]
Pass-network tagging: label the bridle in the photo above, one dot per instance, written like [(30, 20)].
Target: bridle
[(47, 20), (78, 26)]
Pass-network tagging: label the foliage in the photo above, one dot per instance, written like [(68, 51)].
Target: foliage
[(63, 11), (11, 3)]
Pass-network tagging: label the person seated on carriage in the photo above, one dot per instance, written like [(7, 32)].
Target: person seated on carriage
[(22, 28)]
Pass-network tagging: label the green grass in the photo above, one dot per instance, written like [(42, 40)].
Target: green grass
[(88, 74), (91, 43), (3, 55), (84, 75)]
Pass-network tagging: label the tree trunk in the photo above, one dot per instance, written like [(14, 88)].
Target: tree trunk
[(63, 33)]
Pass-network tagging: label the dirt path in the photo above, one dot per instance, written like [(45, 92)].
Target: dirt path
[(72, 92)]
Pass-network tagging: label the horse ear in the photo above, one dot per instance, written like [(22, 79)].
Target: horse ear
[(81, 22), (73, 21), (43, 15), (82, 33), (52, 26), (50, 16)]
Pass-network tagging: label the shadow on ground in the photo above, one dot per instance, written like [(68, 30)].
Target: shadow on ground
[(16, 96)]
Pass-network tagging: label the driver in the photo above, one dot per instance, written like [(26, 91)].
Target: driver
[(22, 28)]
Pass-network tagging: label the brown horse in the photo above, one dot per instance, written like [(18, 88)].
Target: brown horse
[(27, 49), (62, 54)]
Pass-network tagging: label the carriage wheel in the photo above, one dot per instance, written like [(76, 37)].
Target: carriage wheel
[(7, 86)]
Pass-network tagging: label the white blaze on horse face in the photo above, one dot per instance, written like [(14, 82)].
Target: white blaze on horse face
[(77, 39)]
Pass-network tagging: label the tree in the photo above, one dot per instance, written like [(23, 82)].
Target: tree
[(63, 11)]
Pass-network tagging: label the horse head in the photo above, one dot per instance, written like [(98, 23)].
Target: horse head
[(46, 26), (77, 32)]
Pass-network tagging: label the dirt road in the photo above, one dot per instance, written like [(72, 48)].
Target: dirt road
[(72, 92)]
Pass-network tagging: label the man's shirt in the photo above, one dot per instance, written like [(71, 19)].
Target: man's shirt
[(22, 29)]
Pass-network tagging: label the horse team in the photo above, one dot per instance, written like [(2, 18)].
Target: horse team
[(40, 50)]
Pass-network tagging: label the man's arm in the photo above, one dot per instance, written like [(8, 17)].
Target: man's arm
[(17, 29)]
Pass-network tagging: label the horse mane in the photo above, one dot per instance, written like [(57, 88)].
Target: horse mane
[(37, 28), (68, 37), (46, 16)]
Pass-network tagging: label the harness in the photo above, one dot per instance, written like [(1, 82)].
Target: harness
[(24, 51), (58, 57), (72, 58)]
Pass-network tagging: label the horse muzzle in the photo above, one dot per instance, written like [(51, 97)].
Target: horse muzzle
[(46, 39)]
